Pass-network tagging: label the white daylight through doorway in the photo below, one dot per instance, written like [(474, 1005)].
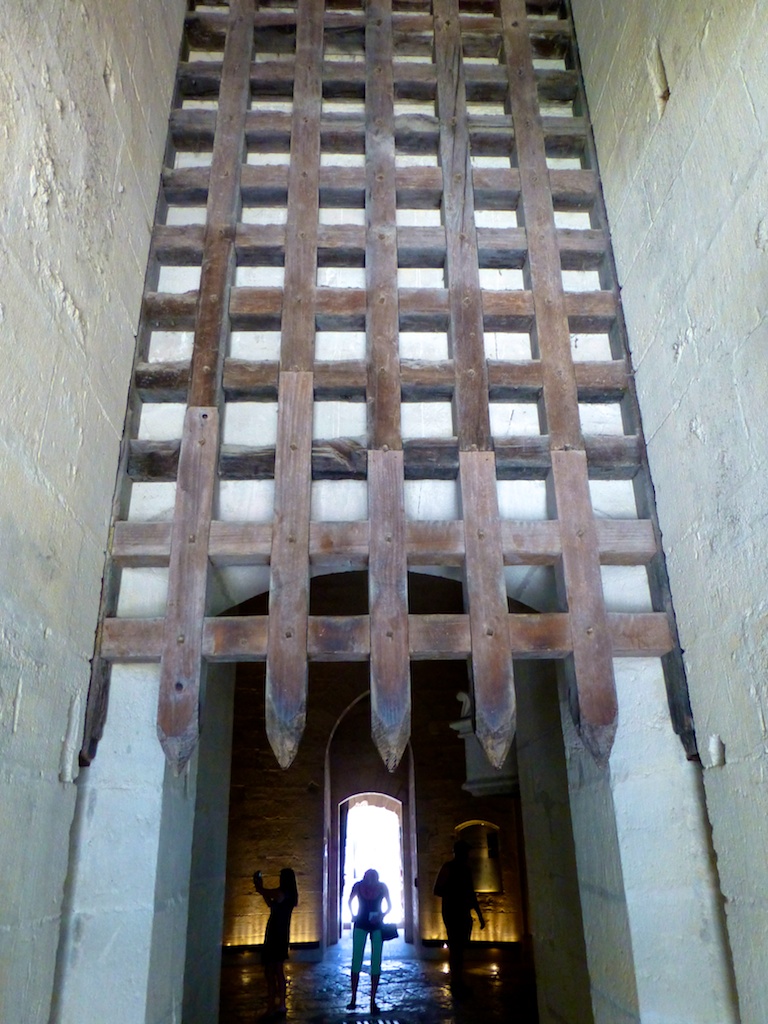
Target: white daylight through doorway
[(374, 840)]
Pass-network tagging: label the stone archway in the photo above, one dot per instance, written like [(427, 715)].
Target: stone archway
[(338, 718)]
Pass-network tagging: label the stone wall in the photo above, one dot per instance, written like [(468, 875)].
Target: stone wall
[(678, 94), (84, 98), (207, 881), (557, 926)]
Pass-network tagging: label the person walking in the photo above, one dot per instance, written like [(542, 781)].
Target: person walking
[(274, 952), (455, 889), (370, 894)]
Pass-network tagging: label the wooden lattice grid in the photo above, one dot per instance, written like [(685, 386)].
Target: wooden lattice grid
[(448, 139)]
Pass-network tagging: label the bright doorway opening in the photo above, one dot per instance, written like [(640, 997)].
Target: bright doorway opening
[(372, 837)]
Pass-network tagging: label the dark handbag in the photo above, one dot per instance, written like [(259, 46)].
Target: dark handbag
[(388, 931)]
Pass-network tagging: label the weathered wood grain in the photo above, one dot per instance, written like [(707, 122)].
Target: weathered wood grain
[(486, 600), (346, 79), (381, 241), (462, 271), (438, 637), (181, 660), (388, 607), (345, 545), (525, 457), (589, 669), (298, 309), (490, 134), (387, 565), (218, 256), (286, 683), (345, 245), (206, 30), (551, 332), (496, 188), (420, 381)]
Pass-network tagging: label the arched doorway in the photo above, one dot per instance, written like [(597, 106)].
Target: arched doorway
[(291, 816), (358, 783), (371, 836)]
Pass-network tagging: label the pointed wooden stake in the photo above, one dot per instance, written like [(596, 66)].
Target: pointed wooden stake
[(286, 693), (181, 659), (590, 667), (388, 600), (486, 598)]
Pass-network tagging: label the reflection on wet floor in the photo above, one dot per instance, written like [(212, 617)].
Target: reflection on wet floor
[(411, 991)]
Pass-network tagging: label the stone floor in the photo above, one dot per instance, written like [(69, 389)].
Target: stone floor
[(411, 991)]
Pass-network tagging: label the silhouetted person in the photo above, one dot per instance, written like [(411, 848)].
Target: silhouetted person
[(274, 952), (454, 886), (369, 893)]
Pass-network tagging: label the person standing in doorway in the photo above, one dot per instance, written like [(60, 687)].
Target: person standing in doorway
[(274, 951), (370, 894), (454, 887)]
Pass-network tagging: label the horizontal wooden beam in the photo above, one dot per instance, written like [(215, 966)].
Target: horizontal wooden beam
[(276, 30), (421, 380), (346, 80), (345, 545), (496, 188), (523, 457), (347, 638), (343, 309), (270, 131), (344, 246)]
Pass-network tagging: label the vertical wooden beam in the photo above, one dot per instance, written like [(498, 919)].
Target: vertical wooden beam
[(678, 698), (286, 687), (388, 607), (461, 265), (484, 586), (181, 661), (382, 323), (298, 316), (486, 599), (590, 669), (212, 319), (101, 669), (552, 333), (388, 563)]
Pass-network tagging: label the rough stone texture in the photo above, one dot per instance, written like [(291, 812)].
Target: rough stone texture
[(670, 882), (653, 918), (685, 186), (562, 978), (84, 96), (604, 911), (116, 863), (209, 849), (132, 894)]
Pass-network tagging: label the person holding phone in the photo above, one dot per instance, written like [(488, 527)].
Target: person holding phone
[(274, 952)]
